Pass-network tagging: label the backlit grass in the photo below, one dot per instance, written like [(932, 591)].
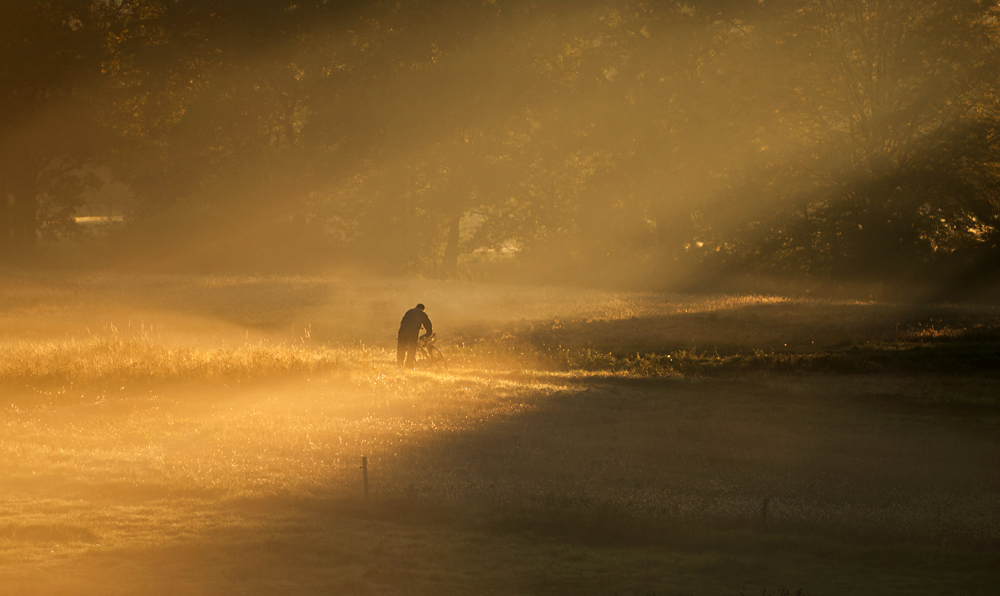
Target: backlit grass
[(113, 359), (227, 461)]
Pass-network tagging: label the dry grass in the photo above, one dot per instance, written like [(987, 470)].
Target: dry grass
[(114, 360), (219, 454)]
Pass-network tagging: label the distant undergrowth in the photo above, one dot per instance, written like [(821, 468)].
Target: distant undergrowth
[(972, 350), (114, 359), (866, 358)]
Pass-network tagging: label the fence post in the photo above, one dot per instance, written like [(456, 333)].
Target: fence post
[(364, 474)]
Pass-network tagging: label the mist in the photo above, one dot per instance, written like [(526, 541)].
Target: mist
[(632, 144), (713, 287)]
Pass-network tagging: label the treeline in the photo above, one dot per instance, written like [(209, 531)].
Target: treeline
[(835, 139)]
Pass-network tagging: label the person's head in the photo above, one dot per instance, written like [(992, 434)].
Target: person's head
[(420, 307)]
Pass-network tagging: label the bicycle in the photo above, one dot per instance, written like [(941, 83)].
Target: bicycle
[(429, 353)]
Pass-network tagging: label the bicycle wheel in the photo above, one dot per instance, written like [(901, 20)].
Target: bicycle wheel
[(437, 357), (423, 357)]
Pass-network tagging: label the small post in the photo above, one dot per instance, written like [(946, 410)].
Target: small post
[(364, 474), (763, 513)]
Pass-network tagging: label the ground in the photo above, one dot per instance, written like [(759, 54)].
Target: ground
[(204, 435)]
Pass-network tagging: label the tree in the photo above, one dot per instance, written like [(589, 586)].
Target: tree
[(51, 55), (886, 124)]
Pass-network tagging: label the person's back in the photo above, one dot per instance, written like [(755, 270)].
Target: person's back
[(413, 320), (409, 333)]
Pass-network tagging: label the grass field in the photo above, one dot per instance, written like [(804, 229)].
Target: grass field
[(203, 435)]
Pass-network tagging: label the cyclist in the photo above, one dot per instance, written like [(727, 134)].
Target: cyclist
[(409, 333)]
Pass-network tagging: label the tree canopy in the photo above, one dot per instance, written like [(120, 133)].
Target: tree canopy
[(621, 140)]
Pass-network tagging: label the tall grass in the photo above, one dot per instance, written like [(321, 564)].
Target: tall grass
[(753, 341), (188, 473), (116, 359)]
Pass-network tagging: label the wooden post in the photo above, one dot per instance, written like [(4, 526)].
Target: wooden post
[(364, 474), (763, 513)]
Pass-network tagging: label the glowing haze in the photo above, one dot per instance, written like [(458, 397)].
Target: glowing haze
[(214, 213), (612, 142)]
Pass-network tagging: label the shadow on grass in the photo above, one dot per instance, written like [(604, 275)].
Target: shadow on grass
[(611, 485), (783, 338)]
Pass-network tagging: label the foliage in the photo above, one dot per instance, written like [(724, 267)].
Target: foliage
[(49, 115), (631, 140)]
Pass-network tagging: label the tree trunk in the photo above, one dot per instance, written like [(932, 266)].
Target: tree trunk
[(22, 215), (5, 226), (449, 263)]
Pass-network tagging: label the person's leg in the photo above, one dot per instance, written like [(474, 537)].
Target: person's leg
[(400, 351), (411, 354)]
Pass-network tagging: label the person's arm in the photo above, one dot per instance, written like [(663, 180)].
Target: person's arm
[(427, 325)]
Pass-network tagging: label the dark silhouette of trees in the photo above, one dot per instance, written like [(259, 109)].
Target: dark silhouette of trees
[(50, 54), (890, 123), (630, 139)]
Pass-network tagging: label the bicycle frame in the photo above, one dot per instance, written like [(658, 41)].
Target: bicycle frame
[(428, 352)]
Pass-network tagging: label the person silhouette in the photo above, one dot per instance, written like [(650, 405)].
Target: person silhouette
[(409, 333)]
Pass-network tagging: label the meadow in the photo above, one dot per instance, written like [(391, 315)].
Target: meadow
[(203, 435)]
